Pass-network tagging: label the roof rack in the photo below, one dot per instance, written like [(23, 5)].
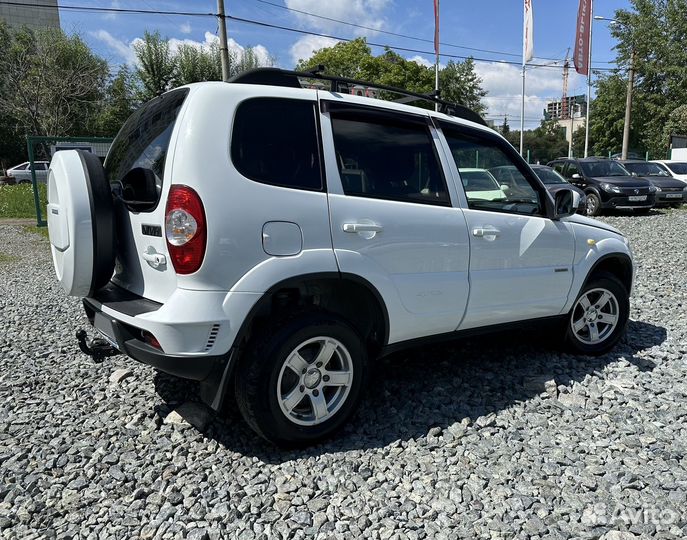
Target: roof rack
[(291, 79)]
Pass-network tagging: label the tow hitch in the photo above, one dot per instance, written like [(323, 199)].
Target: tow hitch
[(97, 348)]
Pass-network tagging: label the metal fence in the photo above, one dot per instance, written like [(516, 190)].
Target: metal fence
[(44, 148)]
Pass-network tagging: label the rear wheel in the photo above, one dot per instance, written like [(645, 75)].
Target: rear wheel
[(599, 316), (300, 383), (593, 204)]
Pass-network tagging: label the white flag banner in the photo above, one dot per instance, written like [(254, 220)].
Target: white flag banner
[(527, 39)]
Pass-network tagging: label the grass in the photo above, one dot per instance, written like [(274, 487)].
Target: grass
[(17, 201), (4, 259)]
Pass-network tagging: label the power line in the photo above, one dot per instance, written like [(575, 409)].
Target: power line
[(277, 27)]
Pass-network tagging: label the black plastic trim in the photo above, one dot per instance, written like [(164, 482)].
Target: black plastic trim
[(603, 258), (461, 334)]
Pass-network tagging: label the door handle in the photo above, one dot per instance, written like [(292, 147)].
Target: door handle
[(154, 259), (362, 227), (485, 231)]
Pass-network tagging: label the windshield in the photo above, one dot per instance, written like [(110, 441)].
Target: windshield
[(646, 169), (478, 181), (677, 168), (549, 176), (603, 168)]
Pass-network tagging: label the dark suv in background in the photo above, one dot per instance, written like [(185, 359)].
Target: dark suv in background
[(607, 184), (669, 190)]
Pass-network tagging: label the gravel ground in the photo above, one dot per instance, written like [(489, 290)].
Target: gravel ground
[(490, 438)]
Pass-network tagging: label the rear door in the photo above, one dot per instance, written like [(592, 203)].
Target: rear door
[(520, 261), (392, 219), (136, 166)]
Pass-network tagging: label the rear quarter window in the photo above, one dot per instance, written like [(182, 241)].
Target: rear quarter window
[(275, 141)]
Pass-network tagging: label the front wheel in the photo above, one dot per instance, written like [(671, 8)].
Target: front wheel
[(593, 204), (300, 383), (599, 316)]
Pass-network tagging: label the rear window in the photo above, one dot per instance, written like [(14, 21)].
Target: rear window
[(136, 160), (677, 168)]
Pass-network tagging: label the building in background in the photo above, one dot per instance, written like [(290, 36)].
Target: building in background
[(35, 14), (570, 119)]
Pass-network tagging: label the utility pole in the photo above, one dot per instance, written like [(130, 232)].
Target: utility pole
[(223, 47), (628, 105)]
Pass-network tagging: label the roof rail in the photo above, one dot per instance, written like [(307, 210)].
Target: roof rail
[(283, 77)]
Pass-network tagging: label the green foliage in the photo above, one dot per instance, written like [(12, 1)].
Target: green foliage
[(655, 30), (120, 101), (545, 142), (458, 81), (677, 123), (52, 82), (17, 201), (157, 65), (195, 64)]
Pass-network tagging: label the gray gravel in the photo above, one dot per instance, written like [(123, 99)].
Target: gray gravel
[(500, 437)]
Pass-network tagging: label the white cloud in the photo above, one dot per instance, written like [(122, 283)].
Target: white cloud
[(126, 50), (307, 45), (503, 82), (421, 60), (362, 12), (185, 28), (119, 47)]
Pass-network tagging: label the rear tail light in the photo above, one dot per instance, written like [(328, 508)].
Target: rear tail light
[(185, 229), (150, 339)]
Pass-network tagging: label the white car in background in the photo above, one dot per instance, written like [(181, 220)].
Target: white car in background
[(22, 172), (481, 184), (676, 169)]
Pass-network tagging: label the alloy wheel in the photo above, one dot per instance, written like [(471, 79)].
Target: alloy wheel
[(595, 316), (315, 381)]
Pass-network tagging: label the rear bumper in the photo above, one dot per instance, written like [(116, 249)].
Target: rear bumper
[(128, 339)]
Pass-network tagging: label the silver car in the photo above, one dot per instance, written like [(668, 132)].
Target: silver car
[(22, 172)]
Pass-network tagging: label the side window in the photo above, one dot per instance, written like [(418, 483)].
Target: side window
[(558, 166), (388, 159), (22, 167), (275, 141), (572, 169), (493, 178)]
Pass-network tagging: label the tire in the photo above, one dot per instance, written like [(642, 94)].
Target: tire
[(593, 204), (266, 375), (596, 336)]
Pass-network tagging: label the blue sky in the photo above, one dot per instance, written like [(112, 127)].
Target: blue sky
[(494, 25)]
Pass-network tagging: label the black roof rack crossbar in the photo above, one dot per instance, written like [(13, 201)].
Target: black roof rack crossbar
[(287, 78)]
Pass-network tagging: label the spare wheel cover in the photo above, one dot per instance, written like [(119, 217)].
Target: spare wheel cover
[(80, 222)]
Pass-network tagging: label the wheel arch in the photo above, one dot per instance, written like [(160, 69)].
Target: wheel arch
[(618, 264)]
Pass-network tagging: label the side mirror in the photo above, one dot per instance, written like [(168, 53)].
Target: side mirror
[(504, 187), (576, 176), (566, 202), (634, 174)]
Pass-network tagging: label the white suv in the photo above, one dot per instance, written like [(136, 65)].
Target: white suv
[(278, 239)]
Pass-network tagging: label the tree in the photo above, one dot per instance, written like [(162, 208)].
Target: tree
[(157, 65), (458, 81), (505, 127), (544, 143), (195, 64), (120, 101), (654, 30), (52, 82), (677, 123)]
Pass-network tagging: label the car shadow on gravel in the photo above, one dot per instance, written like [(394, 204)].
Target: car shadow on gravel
[(434, 387)]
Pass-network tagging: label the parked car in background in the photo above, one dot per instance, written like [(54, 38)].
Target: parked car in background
[(669, 190), (607, 184), (22, 172), (676, 169), (630, 155), (481, 184), (555, 182)]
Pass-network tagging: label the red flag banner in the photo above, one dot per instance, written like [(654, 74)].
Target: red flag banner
[(436, 27), (584, 27)]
